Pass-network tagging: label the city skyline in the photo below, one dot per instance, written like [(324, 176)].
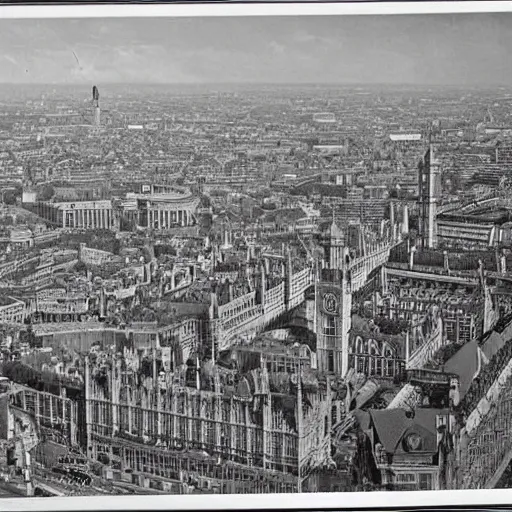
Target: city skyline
[(469, 49)]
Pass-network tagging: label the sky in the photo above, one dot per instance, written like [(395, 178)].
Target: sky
[(454, 49)]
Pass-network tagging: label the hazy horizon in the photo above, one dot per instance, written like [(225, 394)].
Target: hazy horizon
[(88, 84), (457, 50)]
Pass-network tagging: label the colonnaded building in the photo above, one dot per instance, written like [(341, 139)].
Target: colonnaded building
[(156, 208)]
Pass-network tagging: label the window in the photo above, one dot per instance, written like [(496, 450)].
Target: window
[(330, 326), (441, 421), (378, 366), (330, 361), (425, 481), (405, 478)]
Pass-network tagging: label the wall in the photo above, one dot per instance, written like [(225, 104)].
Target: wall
[(80, 341), (95, 256), (435, 340)]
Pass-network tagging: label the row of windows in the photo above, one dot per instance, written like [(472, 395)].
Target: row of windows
[(188, 327), (420, 481), (371, 365), (237, 309)]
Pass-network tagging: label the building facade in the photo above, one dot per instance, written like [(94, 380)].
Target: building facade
[(150, 420), (78, 215)]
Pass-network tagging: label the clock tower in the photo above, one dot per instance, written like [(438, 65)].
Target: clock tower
[(333, 305)]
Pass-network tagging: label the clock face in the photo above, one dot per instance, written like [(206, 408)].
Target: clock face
[(413, 442), (330, 303)]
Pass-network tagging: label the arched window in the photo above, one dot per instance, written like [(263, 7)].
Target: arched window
[(374, 348)]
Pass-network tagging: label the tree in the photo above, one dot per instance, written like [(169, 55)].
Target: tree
[(8, 220), (10, 197), (81, 267), (46, 192), (127, 224)]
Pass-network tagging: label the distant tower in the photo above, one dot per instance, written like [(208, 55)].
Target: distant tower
[(429, 190), (96, 106)]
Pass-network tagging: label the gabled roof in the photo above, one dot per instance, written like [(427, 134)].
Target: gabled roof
[(492, 344), (392, 424), (464, 363)]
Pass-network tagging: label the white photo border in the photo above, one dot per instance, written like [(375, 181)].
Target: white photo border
[(192, 8)]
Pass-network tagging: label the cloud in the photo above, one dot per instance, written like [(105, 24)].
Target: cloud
[(10, 59), (277, 48)]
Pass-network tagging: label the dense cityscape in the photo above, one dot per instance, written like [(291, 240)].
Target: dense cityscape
[(249, 289)]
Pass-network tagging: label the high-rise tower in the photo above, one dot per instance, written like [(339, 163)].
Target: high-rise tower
[(96, 106), (429, 192)]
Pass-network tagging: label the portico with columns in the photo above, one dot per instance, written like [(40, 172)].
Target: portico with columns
[(165, 211), (80, 214)]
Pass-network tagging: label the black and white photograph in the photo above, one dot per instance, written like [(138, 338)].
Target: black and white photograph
[(255, 254)]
